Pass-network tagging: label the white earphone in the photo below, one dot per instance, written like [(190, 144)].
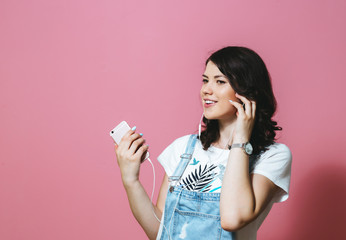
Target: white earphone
[(200, 126)]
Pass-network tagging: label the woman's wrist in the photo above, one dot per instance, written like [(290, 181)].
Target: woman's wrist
[(130, 182), (240, 139)]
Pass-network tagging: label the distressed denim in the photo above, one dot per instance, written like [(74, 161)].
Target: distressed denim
[(193, 215)]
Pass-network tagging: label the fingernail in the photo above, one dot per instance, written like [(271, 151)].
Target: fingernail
[(230, 101), (134, 128), (141, 134)]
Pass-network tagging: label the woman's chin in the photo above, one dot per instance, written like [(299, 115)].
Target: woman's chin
[(208, 117), (221, 118)]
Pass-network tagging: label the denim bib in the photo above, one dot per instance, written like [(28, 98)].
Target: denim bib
[(193, 215), (188, 214)]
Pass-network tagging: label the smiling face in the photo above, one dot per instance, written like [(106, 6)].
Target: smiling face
[(216, 92)]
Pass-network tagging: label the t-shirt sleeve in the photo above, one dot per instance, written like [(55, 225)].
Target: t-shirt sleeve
[(275, 164), (170, 157)]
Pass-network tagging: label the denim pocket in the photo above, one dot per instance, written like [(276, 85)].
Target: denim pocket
[(195, 225)]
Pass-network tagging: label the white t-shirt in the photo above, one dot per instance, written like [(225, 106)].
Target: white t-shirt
[(205, 171)]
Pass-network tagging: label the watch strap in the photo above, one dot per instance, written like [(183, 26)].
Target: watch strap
[(236, 145)]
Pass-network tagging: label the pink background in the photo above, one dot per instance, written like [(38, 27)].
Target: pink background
[(72, 70)]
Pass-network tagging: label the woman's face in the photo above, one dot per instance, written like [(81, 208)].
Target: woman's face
[(216, 92)]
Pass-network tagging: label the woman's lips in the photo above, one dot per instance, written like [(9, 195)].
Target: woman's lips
[(209, 103)]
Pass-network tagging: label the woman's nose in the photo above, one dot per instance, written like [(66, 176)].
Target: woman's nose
[(207, 89)]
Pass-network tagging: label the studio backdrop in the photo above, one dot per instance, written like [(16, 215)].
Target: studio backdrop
[(71, 70)]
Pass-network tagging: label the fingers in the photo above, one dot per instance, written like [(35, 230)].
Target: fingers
[(128, 138), (250, 106), (253, 108), (130, 144), (141, 151), (136, 144), (238, 106)]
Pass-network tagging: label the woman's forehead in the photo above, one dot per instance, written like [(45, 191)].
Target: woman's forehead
[(211, 70)]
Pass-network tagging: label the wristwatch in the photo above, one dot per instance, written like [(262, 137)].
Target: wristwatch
[(246, 146)]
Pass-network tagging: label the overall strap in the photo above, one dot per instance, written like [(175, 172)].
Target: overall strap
[(184, 159)]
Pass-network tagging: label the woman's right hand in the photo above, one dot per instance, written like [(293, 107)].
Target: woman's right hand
[(130, 152)]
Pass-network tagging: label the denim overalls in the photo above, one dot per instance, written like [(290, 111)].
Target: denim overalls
[(188, 214)]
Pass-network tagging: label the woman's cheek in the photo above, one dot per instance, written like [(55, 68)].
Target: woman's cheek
[(232, 110)]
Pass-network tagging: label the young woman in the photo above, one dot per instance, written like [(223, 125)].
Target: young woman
[(221, 183)]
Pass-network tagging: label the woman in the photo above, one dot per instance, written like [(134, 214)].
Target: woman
[(231, 173)]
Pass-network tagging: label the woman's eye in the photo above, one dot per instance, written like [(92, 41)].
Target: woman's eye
[(221, 82), (204, 80)]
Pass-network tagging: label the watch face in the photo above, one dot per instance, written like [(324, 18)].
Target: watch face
[(248, 148)]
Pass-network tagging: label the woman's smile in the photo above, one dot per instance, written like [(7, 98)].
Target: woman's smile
[(209, 103)]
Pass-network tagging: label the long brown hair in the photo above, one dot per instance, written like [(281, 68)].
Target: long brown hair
[(249, 77)]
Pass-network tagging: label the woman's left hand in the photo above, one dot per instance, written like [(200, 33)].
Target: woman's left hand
[(245, 119)]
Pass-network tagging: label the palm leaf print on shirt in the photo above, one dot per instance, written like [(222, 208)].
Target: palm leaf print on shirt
[(199, 179)]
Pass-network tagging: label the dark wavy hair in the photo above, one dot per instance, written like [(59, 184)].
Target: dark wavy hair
[(249, 77)]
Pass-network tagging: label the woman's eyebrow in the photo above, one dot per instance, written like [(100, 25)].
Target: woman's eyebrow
[(216, 76)]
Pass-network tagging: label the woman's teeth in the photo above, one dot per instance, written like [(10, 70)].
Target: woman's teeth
[(209, 102)]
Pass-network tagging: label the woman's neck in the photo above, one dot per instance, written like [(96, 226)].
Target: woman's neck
[(226, 129)]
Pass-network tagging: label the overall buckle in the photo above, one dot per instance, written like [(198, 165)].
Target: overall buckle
[(186, 156)]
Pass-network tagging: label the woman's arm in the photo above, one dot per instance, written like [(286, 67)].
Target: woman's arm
[(141, 207), (243, 197), (129, 153)]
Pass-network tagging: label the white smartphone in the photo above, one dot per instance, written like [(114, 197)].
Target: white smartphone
[(119, 131)]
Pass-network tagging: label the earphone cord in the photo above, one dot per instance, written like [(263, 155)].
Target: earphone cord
[(151, 199)]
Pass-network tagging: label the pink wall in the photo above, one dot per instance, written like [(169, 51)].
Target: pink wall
[(71, 70)]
